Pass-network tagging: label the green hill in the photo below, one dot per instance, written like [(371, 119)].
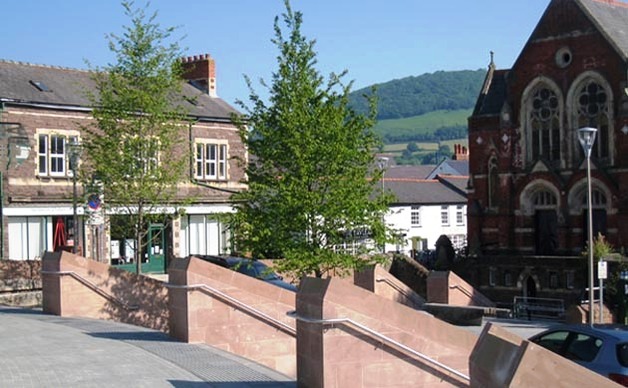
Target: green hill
[(436, 125), (415, 96), (421, 118)]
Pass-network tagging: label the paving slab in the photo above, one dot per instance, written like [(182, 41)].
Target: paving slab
[(41, 350)]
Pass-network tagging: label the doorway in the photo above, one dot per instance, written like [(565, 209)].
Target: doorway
[(546, 232), (529, 287)]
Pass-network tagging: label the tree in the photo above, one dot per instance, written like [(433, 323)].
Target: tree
[(309, 190), (132, 148), (412, 147)]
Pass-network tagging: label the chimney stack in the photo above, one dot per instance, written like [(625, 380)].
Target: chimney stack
[(200, 70), (460, 152)]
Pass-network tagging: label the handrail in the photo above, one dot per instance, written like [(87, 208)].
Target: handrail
[(93, 287), (237, 303), (468, 293), (333, 321), (400, 290)]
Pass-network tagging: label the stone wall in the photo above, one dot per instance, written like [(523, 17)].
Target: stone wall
[(226, 309), (342, 354), (76, 286), (20, 283)]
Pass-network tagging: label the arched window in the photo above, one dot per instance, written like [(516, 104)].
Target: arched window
[(592, 101), (543, 124), (493, 182), (544, 199), (598, 199)]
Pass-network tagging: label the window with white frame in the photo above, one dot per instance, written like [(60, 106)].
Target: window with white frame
[(204, 235), (458, 241), (210, 161), (459, 215), (444, 215), (415, 216), (52, 151), (143, 154)]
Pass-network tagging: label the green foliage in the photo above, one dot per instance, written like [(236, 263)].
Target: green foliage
[(308, 188), (421, 157), (414, 96), (412, 147), (133, 146)]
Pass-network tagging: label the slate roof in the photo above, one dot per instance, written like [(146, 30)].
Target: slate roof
[(409, 172), (493, 94), (450, 167), (423, 192), (68, 90), (611, 18), (456, 182)]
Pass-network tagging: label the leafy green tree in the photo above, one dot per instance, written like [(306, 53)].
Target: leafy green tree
[(132, 148), (309, 190), (412, 147)]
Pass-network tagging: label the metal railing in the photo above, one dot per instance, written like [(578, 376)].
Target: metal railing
[(528, 307), (391, 342), (239, 304), (469, 294), (413, 297), (94, 288)]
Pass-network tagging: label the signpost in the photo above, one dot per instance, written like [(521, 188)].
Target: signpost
[(601, 274)]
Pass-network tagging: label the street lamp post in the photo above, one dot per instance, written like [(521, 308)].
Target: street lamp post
[(382, 163), (586, 136), (74, 155)]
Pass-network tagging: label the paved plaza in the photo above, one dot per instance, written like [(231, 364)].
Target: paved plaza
[(40, 350)]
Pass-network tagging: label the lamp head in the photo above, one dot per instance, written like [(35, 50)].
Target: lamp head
[(586, 136), (382, 162)]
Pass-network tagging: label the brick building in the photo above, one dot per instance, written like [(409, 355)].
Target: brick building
[(42, 110), (528, 199)]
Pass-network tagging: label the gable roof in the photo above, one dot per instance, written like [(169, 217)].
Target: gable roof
[(611, 18), (450, 167), (67, 90)]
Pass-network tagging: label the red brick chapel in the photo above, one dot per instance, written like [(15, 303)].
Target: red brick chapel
[(527, 210)]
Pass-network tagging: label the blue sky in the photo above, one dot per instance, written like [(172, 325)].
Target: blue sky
[(375, 40)]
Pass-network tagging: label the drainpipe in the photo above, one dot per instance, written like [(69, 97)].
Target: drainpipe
[(2, 199)]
